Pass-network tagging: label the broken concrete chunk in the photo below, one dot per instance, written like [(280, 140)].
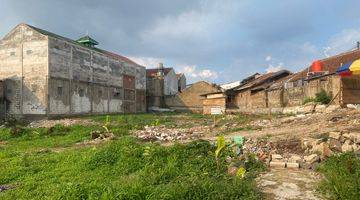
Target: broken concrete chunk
[(277, 164), (295, 159), (347, 147), (335, 135), (276, 157), (335, 145), (318, 148), (326, 151), (355, 137), (311, 158), (292, 165)]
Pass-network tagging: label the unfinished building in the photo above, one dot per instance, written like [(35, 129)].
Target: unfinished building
[(49, 75)]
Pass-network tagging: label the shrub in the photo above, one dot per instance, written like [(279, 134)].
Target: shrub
[(322, 97), (307, 100)]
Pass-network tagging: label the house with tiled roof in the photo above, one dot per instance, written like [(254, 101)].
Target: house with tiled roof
[(50, 75)]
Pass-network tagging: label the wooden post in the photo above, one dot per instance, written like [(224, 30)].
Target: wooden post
[(214, 120)]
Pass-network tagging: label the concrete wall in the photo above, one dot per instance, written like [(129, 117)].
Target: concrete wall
[(154, 92), (170, 83), (98, 83), (294, 96), (46, 75), (350, 90), (24, 68), (213, 102), (182, 82), (190, 99)]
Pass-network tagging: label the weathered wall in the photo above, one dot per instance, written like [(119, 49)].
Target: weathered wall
[(154, 92), (214, 102), (190, 99), (98, 83), (170, 83), (275, 98), (295, 96), (242, 99), (182, 82), (350, 90), (24, 68)]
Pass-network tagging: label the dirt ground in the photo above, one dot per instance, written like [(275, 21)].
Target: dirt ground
[(282, 184), (284, 132), (305, 125)]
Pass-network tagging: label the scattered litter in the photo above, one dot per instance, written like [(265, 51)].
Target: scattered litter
[(162, 133)]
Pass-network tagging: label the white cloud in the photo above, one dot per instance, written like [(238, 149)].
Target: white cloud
[(343, 41), (195, 74), (199, 24), (268, 58), (206, 73), (148, 62), (272, 68)]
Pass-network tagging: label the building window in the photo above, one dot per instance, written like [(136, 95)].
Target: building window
[(117, 94), (28, 52), (100, 93), (59, 91), (81, 92), (12, 53)]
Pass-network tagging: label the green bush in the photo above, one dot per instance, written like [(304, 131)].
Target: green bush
[(307, 100), (322, 97), (342, 177)]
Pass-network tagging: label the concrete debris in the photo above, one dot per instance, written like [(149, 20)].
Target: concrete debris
[(277, 164), (97, 138), (47, 123), (162, 133)]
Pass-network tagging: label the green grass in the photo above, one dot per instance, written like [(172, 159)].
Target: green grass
[(125, 168), (342, 177)]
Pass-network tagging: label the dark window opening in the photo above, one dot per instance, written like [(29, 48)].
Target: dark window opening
[(29, 52), (81, 92), (12, 53), (59, 91), (100, 93), (117, 94)]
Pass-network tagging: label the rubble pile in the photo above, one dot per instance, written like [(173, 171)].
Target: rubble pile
[(162, 133), (305, 153), (46, 123)]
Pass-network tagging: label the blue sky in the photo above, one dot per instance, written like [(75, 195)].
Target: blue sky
[(219, 41)]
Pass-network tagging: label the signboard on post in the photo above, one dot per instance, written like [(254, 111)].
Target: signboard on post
[(216, 110)]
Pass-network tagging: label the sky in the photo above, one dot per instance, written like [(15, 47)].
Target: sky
[(215, 40)]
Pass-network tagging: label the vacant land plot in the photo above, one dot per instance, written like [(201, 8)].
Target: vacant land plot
[(62, 162), (166, 156)]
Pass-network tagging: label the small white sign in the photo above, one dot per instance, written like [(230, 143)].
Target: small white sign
[(216, 110)]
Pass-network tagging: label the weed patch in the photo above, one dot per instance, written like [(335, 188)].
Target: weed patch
[(342, 177)]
